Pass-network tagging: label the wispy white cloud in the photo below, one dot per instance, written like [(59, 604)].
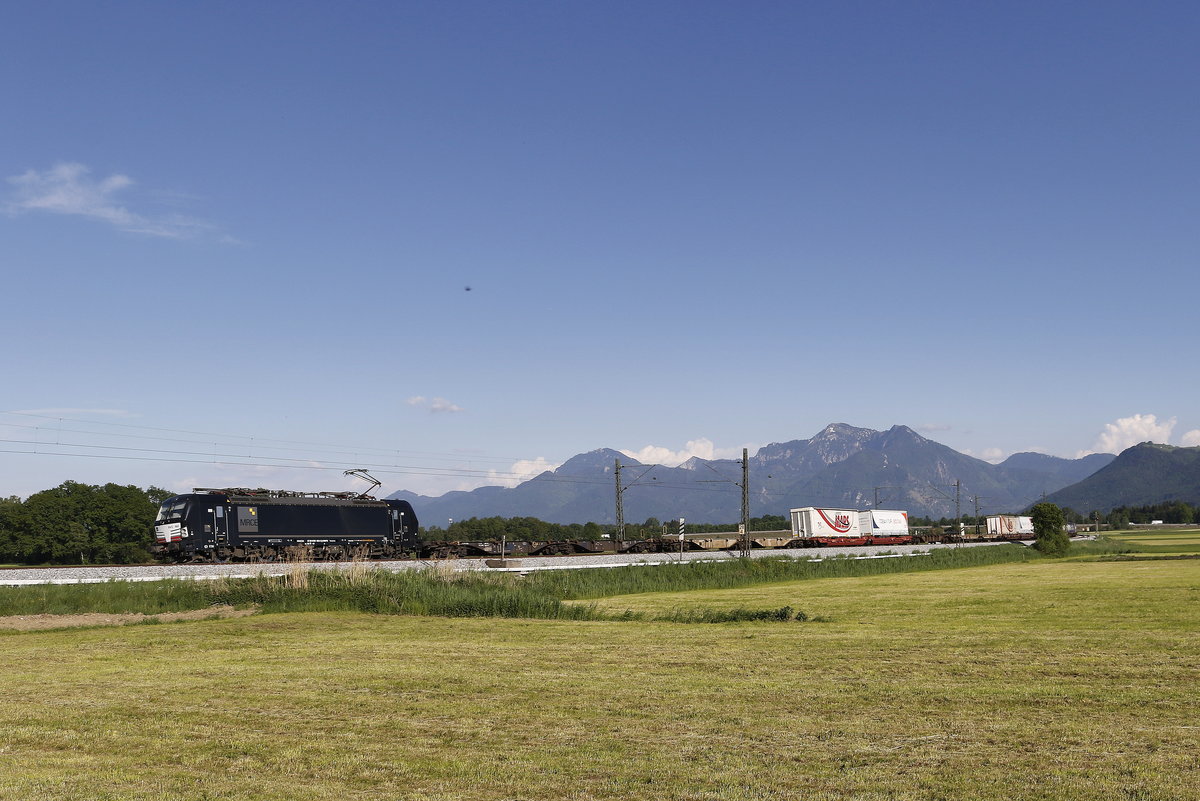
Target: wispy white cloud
[(521, 470), (993, 455), (702, 447), (933, 428), (434, 405), (1129, 431), (1191, 438), (69, 188)]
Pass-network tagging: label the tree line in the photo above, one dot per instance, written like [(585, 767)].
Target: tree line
[(75, 524), (535, 530), (1168, 512), (1119, 517)]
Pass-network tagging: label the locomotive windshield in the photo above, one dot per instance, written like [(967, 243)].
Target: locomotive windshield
[(172, 509)]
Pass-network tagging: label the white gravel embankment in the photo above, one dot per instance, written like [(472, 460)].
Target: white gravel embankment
[(92, 575)]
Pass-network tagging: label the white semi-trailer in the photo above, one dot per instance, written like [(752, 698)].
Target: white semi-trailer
[(818, 526), (885, 526), (1009, 527)]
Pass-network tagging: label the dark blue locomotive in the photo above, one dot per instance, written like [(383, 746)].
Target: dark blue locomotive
[(270, 525)]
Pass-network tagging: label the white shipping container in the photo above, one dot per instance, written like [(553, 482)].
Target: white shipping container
[(810, 521), (1010, 526), (1001, 525), (884, 523)]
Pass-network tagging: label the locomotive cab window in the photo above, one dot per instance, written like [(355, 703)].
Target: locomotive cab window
[(172, 511)]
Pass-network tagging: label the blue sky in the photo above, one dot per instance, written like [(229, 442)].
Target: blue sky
[(238, 233)]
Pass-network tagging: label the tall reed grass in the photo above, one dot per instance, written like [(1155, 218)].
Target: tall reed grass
[(112, 597), (413, 592)]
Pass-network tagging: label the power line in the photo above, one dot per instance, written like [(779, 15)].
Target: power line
[(253, 438), (235, 460), (254, 443), (275, 460), (254, 457)]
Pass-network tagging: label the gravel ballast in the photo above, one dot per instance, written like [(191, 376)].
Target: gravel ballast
[(97, 574)]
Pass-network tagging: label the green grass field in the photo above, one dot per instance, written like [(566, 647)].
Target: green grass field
[(1164, 541), (1031, 680)]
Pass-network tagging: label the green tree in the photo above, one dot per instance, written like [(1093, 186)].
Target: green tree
[(121, 518), (1118, 518), (770, 523), (10, 527), (81, 523), (157, 495), (1052, 540), (1178, 512)]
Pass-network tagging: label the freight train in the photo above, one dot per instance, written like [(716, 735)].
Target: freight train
[(260, 525)]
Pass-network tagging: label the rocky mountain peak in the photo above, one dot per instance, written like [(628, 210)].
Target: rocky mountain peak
[(602, 459), (842, 431), (838, 442)]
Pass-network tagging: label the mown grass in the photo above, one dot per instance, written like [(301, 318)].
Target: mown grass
[(1158, 542), (1036, 680), (441, 592)]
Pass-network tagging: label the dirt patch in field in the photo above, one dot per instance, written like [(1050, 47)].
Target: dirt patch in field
[(35, 622)]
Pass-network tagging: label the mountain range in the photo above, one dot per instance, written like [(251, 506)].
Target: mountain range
[(1143, 475), (841, 466)]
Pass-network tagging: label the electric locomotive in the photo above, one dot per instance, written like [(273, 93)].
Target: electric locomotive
[(268, 525)]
